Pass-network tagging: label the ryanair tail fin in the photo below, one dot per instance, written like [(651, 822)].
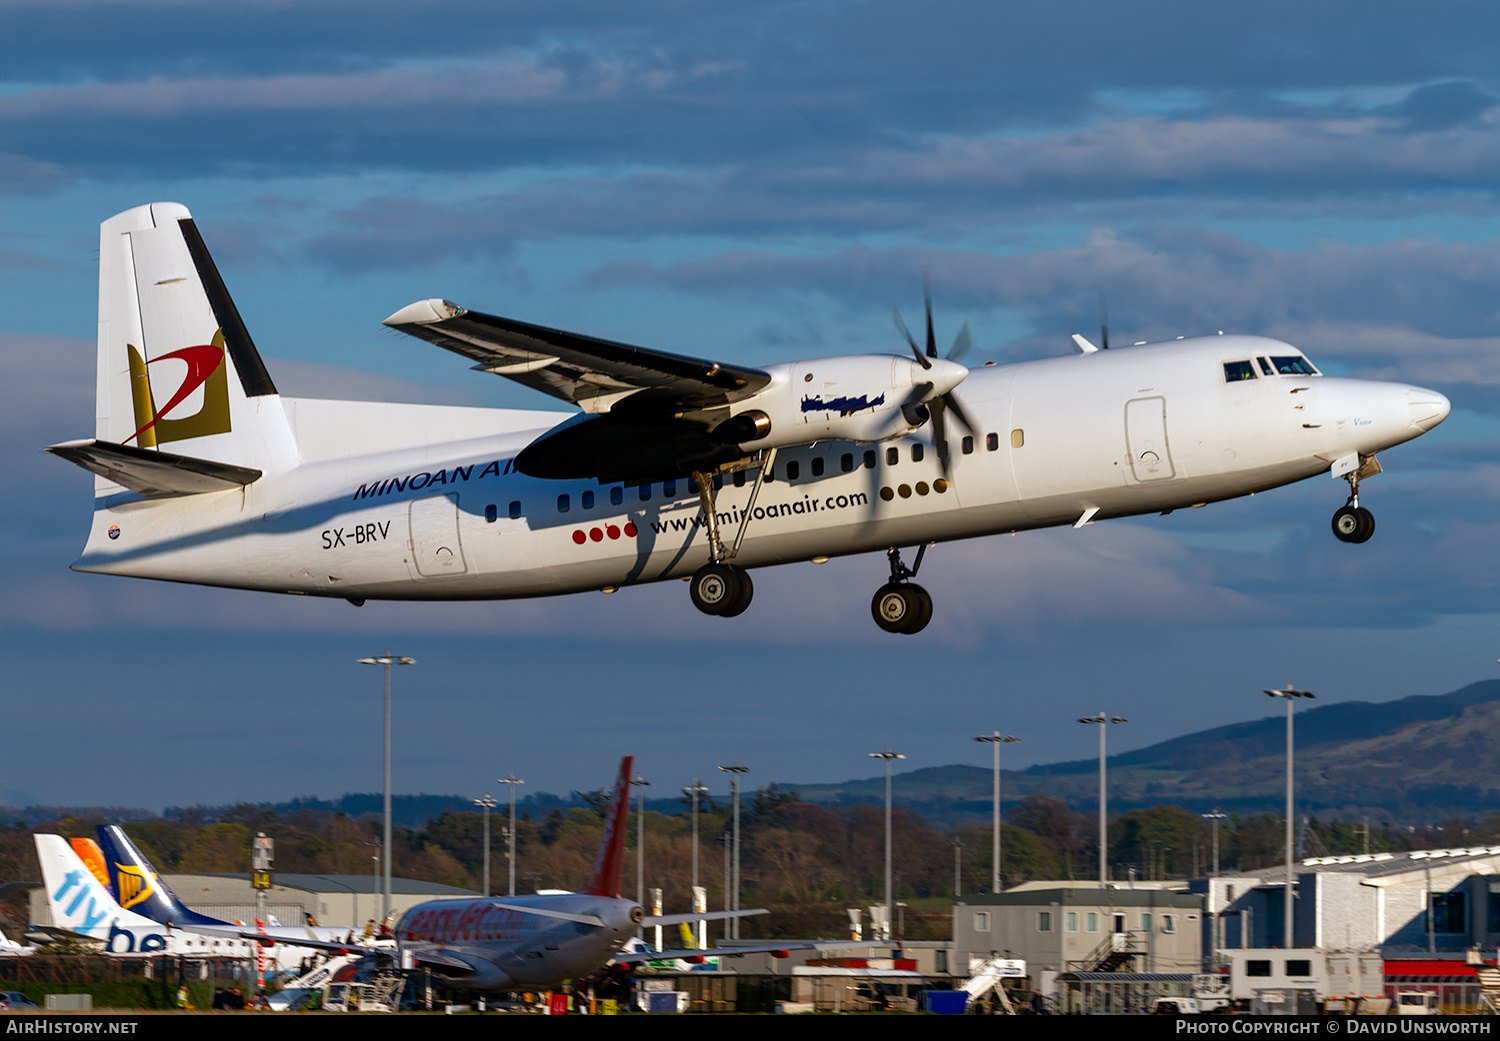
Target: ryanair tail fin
[(610, 865), (176, 366), (138, 887)]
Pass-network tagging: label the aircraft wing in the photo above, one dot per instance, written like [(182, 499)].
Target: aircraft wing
[(584, 370), (735, 951), (693, 916)]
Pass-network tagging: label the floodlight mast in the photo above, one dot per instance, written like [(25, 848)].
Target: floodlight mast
[(510, 849), (996, 739), (387, 659), (1288, 694), (887, 755), (1103, 722)]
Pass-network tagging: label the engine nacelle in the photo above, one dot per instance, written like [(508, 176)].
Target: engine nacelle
[(863, 397)]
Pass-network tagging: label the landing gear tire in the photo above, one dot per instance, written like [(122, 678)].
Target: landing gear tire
[(1353, 524), (901, 608), (721, 589)]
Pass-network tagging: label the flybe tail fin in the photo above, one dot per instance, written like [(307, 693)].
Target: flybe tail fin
[(610, 865), (77, 901), (138, 887), (176, 366)]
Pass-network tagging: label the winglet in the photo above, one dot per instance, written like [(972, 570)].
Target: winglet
[(610, 866)]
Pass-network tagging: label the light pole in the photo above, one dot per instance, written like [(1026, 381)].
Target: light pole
[(995, 740), (640, 839), (734, 774), (696, 789), (1216, 816), (887, 755), (510, 848), (1103, 722), (387, 659), (486, 803), (1289, 695)]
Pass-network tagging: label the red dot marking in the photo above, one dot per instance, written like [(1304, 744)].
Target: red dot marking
[(579, 537), (629, 530), (612, 531), (596, 534)]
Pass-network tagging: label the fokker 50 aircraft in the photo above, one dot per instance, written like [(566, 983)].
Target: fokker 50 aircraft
[(674, 467)]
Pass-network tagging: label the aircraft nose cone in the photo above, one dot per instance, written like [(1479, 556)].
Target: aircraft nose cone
[(1428, 408)]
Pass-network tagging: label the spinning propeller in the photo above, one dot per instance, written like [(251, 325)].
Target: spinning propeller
[(941, 403)]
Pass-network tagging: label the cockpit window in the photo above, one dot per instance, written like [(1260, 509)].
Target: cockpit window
[(1265, 366), (1234, 371), (1296, 365)]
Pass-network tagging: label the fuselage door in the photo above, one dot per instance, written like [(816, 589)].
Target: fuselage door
[(435, 547), (1146, 439)]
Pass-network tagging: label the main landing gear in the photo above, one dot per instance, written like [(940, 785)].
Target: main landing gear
[(1352, 522), (902, 606), (718, 587)]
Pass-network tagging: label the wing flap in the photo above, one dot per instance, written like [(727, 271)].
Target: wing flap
[(154, 474), (590, 372)]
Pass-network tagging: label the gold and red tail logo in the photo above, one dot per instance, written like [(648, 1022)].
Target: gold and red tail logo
[(136, 886), (206, 369)]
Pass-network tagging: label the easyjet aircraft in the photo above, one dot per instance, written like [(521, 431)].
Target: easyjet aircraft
[(673, 467)]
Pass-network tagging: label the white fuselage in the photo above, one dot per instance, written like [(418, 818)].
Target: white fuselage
[(423, 502), (484, 947)]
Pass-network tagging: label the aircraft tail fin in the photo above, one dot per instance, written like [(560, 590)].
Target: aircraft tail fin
[(176, 364), (610, 865), (76, 899), (138, 887)]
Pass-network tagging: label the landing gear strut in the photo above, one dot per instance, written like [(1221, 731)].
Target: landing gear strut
[(718, 587), (902, 606), (1352, 522)]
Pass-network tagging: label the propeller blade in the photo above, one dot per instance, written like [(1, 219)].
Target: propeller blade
[(961, 343), (927, 299), (901, 326), (951, 400), (939, 431)]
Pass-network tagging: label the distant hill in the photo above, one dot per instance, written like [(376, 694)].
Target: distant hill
[(1422, 757)]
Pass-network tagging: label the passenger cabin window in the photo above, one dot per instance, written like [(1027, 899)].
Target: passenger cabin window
[(669, 489), (892, 456), (588, 500), (739, 478), (617, 496), (793, 470), (645, 493), (515, 509), (917, 451), (846, 462), (817, 466), (1294, 366), (968, 445), (1235, 371), (870, 459), (491, 513), (563, 504)]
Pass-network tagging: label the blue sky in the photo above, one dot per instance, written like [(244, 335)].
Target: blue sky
[(754, 185)]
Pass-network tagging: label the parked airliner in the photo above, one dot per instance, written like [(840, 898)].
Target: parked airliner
[(673, 467)]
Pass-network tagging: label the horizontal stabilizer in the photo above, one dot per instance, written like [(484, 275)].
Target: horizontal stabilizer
[(154, 474)]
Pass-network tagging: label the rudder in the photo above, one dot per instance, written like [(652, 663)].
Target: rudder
[(176, 365)]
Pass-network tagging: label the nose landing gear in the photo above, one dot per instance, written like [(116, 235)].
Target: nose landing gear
[(902, 606), (1352, 522)]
